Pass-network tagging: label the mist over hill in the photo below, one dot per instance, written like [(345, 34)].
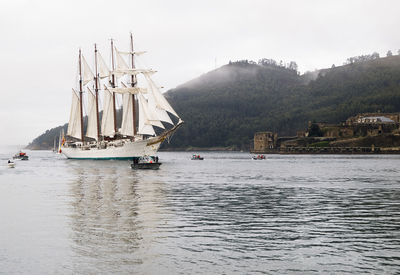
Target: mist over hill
[(225, 107)]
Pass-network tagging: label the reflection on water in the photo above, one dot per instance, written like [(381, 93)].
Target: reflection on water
[(224, 215), (115, 214)]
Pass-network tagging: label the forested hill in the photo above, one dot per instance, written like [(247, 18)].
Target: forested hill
[(225, 107)]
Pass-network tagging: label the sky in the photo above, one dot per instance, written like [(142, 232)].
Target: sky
[(184, 39)]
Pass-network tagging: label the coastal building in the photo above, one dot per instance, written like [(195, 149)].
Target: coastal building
[(265, 141), (374, 118), (363, 130)]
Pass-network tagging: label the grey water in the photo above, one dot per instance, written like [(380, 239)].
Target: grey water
[(227, 214)]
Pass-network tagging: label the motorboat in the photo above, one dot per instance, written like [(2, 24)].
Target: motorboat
[(146, 162), (11, 164), (258, 157), (197, 157), (21, 155)]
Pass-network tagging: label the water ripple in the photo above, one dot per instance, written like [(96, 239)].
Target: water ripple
[(224, 215)]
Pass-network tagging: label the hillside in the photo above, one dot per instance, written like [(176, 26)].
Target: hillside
[(225, 107)]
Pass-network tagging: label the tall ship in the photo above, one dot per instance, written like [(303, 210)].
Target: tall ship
[(147, 117)]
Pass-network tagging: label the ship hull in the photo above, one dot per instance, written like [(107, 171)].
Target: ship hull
[(129, 150)]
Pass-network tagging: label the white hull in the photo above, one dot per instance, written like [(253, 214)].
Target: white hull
[(128, 150)]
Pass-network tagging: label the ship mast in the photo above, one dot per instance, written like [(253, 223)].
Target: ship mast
[(113, 86), (96, 88), (81, 95), (133, 84)]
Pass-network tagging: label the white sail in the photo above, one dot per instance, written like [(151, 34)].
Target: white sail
[(103, 69), (161, 102), (107, 122), (145, 127), (127, 115), (121, 64), (74, 125), (150, 115), (161, 114), (91, 130), (87, 72)]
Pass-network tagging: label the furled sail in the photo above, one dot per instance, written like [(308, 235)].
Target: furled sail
[(127, 115), (130, 53), (91, 130), (121, 72), (103, 69), (128, 90), (74, 125), (107, 122), (87, 72), (160, 100)]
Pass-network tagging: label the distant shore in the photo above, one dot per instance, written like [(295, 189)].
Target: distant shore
[(332, 150), (202, 149)]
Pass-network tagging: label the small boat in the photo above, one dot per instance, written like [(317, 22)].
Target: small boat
[(21, 155), (258, 157), (11, 164), (197, 157), (146, 162)]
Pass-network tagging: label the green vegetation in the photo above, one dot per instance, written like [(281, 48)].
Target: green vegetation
[(225, 107), (315, 131), (320, 144)]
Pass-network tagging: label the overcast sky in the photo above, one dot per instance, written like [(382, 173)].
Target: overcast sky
[(183, 39)]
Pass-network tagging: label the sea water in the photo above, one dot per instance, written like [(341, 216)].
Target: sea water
[(226, 214)]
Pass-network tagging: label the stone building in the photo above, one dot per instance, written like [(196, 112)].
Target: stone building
[(339, 131), (362, 125), (374, 118), (265, 141)]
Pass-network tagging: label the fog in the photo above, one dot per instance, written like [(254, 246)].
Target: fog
[(183, 40)]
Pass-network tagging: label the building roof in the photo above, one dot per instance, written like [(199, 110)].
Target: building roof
[(379, 119)]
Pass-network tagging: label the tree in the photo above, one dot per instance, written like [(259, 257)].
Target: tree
[(293, 66), (389, 53), (375, 55), (315, 131)]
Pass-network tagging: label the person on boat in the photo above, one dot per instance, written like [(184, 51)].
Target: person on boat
[(9, 161)]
